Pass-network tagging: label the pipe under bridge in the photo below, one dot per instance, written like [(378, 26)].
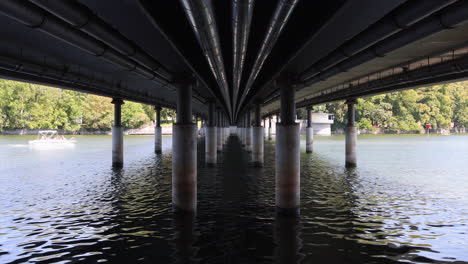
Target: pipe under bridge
[(234, 63)]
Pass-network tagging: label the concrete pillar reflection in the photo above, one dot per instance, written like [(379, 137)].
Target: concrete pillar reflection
[(184, 238), (287, 174), (288, 240), (351, 135), (211, 137), (157, 131), (257, 138), (184, 153), (117, 134), (309, 132)]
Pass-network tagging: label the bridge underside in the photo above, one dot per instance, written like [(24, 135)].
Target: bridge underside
[(234, 53)]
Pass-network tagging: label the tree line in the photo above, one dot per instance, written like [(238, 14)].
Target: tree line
[(441, 106), (32, 106)]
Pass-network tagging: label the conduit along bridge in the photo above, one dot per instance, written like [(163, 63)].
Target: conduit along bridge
[(234, 63)]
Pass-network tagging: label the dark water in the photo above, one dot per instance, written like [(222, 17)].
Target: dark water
[(406, 202)]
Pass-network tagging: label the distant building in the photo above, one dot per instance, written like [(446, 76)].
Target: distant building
[(321, 123)]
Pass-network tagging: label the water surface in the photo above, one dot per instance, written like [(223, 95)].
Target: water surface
[(407, 202)]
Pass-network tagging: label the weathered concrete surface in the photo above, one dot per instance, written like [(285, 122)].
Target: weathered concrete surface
[(226, 135), (117, 146), (309, 139), (232, 130), (351, 139), (210, 146), (157, 139), (248, 138), (184, 167), (242, 135), (219, 138), (287, 168), (257, 146)]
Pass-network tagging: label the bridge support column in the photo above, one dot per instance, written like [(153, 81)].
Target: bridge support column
[(269, 128), (287, 155), (219, 132), (157, 131), (211, 137), (184, 153), (351, 135), (309, 133), (242, 130), (226, 131), (257, 139), (248, 134), (117, 134)]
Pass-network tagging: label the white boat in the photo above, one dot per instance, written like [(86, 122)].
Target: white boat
[(51, 137)]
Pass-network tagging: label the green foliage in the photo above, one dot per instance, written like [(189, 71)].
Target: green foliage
[(24, 105), (98, 113), (441, 106), (133, 115), (365, 123), (168, 115), (32, 106)]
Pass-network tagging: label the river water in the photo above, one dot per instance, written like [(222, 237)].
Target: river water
[(407, 202)]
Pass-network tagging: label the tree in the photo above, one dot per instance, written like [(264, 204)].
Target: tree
[(133, 115), (24, 105)]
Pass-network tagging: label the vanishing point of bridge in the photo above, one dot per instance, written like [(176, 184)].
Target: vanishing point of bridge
[(234, 63)]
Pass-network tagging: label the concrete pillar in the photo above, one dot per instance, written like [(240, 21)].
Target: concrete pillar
[(287, 154), (248, 133), (309, 132), (226, 130), (269, 128), (219, 132), (157, 131), (184, 153), (242, 131), (117, 134), (232, 130), (211, 137), (351, 135), (257, 139), (223, 132)]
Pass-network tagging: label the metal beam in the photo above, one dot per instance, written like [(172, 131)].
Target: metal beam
[(282, 13), (242, 11), (201, 17)]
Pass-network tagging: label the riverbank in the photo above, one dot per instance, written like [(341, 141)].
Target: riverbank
[(146, 130), (167, 130)]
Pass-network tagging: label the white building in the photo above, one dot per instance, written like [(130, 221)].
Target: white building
[(321, 123)]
